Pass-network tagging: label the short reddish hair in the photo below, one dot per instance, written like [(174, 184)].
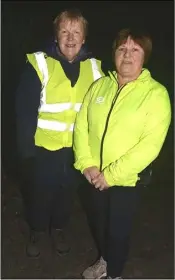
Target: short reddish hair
[(138, 36)]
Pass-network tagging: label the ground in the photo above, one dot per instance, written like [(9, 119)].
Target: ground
[(152, 243)]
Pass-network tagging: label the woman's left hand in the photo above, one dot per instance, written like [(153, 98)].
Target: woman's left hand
[(100, 183)]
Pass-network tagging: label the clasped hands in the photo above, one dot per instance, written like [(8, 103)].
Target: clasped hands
[(96, 178)]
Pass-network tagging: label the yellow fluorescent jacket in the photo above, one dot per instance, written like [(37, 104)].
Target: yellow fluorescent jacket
[(136, 130), (59, 101)]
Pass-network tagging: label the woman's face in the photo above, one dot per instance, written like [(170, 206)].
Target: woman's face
[(129, 59), (70, 38)]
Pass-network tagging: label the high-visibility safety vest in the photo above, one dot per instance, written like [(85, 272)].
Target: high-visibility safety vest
[(59, 101)]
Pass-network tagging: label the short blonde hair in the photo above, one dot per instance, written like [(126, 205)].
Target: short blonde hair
[(138, 36), (72, 15)]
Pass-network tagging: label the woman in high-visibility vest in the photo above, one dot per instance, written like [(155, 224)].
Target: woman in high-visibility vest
[(48, 98)]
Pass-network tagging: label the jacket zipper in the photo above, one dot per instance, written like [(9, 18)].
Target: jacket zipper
[(106, 125)]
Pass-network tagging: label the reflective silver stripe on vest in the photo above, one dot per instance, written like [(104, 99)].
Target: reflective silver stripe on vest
[(42, 65), (50, 108), (60, 107), (95, 70), (54, 125), (57, 107)]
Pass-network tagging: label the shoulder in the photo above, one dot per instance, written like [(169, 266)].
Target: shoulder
[(94, 60), (103, 81), (159, 97), (158, 89), (36, 55), (152, 86)]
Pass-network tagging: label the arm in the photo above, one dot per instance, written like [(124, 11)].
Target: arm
[(27, 103), (83, 158), (148, 147)]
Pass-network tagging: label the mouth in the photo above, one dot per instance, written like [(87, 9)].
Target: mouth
[(127, 62), (70, 45)]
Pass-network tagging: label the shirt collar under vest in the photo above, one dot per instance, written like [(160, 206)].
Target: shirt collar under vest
[(71, 70)]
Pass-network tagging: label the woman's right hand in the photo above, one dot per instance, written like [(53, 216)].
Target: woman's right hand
[(91, 173)]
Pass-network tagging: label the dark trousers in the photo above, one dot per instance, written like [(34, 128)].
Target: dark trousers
[(110, 214), (49, 192)]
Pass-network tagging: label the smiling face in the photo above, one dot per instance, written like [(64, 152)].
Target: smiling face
[(70, 38), (129, 59)]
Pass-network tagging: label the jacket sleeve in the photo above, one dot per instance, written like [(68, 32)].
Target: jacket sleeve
[(119, 173), (83, 158), (26, 107)]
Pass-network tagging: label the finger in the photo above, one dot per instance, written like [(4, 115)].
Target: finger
[(94, 181), (95, 175), (97, 185), (88, 178), (103, 188)]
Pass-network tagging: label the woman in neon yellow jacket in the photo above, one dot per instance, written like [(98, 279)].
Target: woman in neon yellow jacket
[(119, 131)]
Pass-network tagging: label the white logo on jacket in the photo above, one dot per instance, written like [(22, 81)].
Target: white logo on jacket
[(100, 99)]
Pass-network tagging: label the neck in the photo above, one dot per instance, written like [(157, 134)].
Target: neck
[(122, 80)]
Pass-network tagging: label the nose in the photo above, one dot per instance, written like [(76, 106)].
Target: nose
[(70, 36), (127, 53)]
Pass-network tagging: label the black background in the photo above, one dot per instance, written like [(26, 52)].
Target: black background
[(26, 26)]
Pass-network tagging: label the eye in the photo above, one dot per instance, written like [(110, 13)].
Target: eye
[(135, 49), (63, 31), (121, 49)]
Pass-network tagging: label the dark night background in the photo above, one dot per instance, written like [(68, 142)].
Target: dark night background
[(26, 27)]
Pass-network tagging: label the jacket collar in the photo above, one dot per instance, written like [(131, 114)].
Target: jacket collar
[(144, 76)]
